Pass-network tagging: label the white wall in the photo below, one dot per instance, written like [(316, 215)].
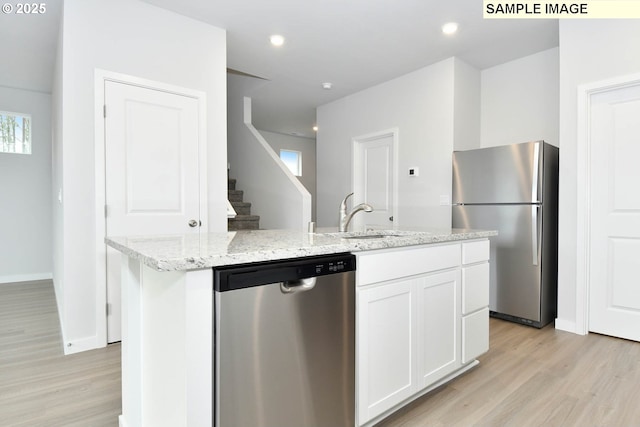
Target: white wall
[(275, 194), (422, 106), (307, 148), (466, 116), (25, 198), (590, 50), (520, 100), (134, 38)]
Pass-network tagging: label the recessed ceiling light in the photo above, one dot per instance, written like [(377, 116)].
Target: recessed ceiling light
[(276, 40), (327, 85), (315, 128), (450, 28)]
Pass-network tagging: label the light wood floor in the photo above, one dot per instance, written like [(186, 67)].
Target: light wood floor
[(529, 377), (39, 386), (534, 377)]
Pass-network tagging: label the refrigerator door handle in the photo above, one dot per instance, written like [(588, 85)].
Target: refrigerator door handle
[(534, 199), (534, 233), (536, 169)]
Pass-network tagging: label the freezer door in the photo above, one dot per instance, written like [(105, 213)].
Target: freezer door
[(506, 174), (515, 262)]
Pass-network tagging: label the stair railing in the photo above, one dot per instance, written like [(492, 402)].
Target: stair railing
[(276, 195)]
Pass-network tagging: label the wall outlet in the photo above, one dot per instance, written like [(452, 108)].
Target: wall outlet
[(414, 171)]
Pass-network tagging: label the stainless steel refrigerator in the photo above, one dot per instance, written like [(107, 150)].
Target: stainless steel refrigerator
[(514, 189)]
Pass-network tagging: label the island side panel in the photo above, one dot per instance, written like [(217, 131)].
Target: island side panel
[(199, 335), (131, 361), (167, 347)]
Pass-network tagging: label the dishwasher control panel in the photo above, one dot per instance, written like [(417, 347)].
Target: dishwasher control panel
[(228, 278), (329, 267)]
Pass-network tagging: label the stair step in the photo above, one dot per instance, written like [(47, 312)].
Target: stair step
[(242, 208), (235, 195), (231, 184), (244, 222)]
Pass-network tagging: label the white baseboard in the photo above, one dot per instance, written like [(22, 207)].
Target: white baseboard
[(15, 278), (566, 325)]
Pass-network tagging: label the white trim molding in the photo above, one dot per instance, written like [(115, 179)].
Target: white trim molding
[(583, 202)]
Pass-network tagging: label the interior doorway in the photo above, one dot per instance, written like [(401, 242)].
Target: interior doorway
[(154, 177), (375, 179), (608, 208)]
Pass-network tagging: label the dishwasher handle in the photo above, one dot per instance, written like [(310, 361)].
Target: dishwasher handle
[(299, 285)]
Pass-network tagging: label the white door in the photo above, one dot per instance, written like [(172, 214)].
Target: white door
[(152, 173), (614, 296), (374, 179)]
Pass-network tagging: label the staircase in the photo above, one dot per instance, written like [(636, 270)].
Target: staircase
[(243, 220)]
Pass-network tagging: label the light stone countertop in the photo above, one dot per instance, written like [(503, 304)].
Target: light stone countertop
[(205, 250)]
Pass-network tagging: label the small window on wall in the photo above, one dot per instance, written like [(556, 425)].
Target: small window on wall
[(293, 160), (15, 133)]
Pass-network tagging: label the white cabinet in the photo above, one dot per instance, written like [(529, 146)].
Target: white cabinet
[(475, 300), (422, 315), (408, 337)]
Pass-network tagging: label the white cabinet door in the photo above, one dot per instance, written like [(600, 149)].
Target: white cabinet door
[(385, 347), (438, 326)]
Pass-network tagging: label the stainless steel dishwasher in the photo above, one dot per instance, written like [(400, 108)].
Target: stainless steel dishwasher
[(284, 343)]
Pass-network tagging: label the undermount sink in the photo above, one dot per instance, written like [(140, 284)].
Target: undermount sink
[(371, 234)]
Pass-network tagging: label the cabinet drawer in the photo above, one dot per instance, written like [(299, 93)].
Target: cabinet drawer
[(475, 252), (475, 335), (382, 266), (475, 287)]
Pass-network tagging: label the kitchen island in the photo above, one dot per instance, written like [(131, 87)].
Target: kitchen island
[(167, 297)]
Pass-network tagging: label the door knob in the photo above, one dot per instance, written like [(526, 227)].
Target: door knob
[(193, 223), (391, 218)]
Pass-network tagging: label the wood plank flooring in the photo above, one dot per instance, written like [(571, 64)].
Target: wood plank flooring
[(39, 386), (536, 377), (529, 377)]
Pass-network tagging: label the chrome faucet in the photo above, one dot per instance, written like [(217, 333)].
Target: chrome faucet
[(345, 217)]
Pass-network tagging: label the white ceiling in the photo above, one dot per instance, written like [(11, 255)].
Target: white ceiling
[(28, 47), (353, 44)]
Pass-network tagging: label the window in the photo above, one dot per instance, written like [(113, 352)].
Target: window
[(293, 160), (15, 133)]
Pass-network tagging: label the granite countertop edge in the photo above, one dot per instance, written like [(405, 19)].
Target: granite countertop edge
[(191, 253)]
